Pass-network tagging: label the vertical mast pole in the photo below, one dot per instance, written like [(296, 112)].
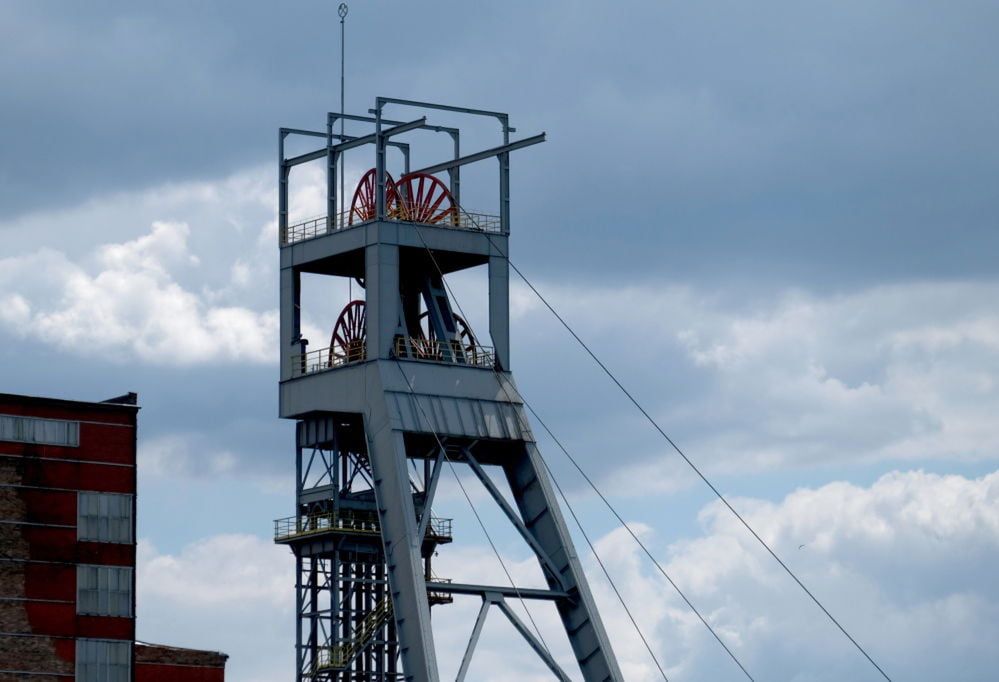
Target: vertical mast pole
[(342, 11)]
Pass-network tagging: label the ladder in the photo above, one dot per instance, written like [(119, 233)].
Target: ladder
[(339, 656)]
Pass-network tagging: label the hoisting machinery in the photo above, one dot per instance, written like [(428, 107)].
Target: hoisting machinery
[(403, 390)]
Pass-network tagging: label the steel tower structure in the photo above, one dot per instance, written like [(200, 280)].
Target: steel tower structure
[(403, 390)]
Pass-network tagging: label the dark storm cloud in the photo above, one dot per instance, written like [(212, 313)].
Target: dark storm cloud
[(831, 144)]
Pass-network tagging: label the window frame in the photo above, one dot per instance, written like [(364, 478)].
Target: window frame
[(106, 591), (90, 659), (21, 428), (97, 521)]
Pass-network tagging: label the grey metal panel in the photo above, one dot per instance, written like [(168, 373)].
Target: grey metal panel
[(318, 393), (315, 431), (504, 591), (349, 389), (455, 416), (395, 397), (499, 307), (302, 253), (289, 320), (382, 285), (532, 489), (434, 378), (411, 610)]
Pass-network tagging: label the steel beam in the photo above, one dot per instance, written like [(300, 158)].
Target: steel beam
[(486, 154), (387, 454), (503, 118), (356, 142), (535, 496), (482, 590), (539, 649), (466, 660), (546, 562), (431, 490)]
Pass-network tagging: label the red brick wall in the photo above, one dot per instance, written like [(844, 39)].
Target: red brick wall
[(160, 672), (38, 490)]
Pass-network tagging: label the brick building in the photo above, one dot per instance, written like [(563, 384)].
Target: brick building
[(67, 548)]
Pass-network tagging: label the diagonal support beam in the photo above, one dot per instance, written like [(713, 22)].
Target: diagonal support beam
[(355, 142), (486, 154), (515, 519), (431, 490), (473, 640), (535, 644)]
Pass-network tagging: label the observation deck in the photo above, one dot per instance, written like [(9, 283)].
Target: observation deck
[(320, 226), (411, 348), (298, 528)]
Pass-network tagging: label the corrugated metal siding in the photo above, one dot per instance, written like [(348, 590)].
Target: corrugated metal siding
[(456, 416)]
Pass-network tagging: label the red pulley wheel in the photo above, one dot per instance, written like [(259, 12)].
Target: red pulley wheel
[(349, 334)]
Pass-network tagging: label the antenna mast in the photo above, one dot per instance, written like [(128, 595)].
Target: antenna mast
[(342, 11)]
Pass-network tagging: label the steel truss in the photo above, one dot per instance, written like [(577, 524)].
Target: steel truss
[(377, 426)]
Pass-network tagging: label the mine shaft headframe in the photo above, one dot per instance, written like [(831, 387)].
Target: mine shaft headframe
[(385, 129)]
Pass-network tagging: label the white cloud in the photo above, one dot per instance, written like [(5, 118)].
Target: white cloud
[(900, 372), (905, 564), (185, 275), (889, 374), (184, 454), (229, 593), (130, 305)]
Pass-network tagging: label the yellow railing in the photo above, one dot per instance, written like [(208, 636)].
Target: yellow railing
[(444, 351), (321, 359), (437, 597), (439, 528), (464, 220), (346, 522), (319, 225), (339, 656)]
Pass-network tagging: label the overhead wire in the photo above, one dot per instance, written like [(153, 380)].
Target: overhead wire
[(475, 511), (572, 511), (686, 459)]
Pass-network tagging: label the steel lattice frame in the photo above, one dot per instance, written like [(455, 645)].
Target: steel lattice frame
[(364, 597)]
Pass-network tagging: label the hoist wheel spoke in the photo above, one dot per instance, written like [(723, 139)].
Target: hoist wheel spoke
[(349, 335), (423, 198), (363, 205)]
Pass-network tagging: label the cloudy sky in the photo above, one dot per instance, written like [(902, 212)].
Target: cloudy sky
[(776, 222)]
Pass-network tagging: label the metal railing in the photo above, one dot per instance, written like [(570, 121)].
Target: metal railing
[(319, 226), (439, 528), (346, 522), (305, 229), (437, 597), (322, 359), (339, 656), (466, 220), (432, 350)]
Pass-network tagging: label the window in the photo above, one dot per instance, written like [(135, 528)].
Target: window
[(104, 590), (42, 431), (104, 517), (103, 660)]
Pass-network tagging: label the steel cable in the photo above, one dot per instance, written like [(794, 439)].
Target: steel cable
[(475, 511), (572, 511), (689, 462)]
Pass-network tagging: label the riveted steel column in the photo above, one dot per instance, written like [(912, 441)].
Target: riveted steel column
[(499, 308), (292, 342), (387, 453), (382, 296), (532, 489)]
